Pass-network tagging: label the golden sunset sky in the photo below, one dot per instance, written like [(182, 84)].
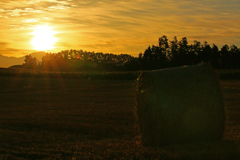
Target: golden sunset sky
[(114, 26)]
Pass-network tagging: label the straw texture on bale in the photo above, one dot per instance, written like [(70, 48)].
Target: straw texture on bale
[(180, 105)]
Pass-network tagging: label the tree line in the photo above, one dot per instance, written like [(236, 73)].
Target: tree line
[(79, 60), (165, 54)]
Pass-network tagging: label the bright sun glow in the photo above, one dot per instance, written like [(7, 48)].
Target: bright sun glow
[(43, 38)]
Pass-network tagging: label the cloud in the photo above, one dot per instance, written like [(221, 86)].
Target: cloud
[(15, 52), (31, 20), (2, 44), (121, 25), (22, 8), (139, 22)]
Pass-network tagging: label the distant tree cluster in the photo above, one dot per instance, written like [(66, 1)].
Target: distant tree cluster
[(178, 53), (31, 62), (79, 60), (165, 54)]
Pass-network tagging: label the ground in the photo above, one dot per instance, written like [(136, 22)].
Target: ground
[(72, 118)]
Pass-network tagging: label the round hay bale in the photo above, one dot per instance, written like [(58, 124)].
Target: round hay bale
[(180, 105)]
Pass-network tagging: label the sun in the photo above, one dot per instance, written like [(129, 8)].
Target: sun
[(43, 38)]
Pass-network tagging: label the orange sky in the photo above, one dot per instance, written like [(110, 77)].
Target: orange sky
[(119, 26)]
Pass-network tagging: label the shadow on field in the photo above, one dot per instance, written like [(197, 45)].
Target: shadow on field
[(221, 150)]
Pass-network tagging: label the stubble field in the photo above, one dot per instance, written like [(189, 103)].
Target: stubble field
[(71, 118)]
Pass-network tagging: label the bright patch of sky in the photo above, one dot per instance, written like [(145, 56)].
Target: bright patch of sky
[(120, 26)]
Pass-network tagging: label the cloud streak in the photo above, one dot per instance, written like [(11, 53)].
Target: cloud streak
[(121, 26)]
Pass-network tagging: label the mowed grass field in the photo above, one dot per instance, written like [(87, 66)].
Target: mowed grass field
[(64, 118)]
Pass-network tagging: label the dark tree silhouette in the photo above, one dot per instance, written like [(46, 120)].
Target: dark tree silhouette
[(79, 60), (30, 62), (225, 57), (181, 53), (165, 54), (178, 53), (215, 57), (155, 57)]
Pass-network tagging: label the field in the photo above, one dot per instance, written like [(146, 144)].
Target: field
[(72, 118)]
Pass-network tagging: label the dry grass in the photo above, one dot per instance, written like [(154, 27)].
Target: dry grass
[(231, 90), (92, 119)]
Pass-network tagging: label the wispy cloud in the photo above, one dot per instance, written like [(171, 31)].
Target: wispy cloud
[(121, 26)]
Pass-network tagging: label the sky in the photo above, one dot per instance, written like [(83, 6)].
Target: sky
[(119, 26)]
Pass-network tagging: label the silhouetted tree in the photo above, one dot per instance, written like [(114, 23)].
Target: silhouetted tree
[(205, 53), (178, 53), (147, 59), (79, 60), (162, 52), (165, 54), (155, 57), (181, 53), (55, 62), (215, 57), (174, 47), (235, 56), (225, 57), (30, 62)]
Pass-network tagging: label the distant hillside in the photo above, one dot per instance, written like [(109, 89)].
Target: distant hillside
[(6, 61)]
